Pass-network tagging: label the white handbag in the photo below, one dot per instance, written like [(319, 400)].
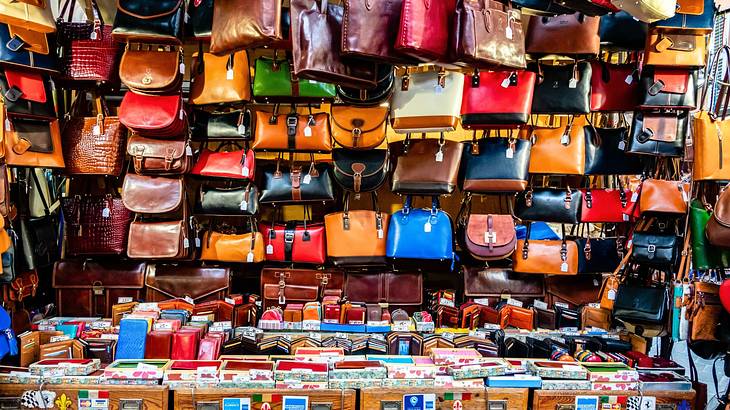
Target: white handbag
[(28, 16), (427, 102), (648, 11)]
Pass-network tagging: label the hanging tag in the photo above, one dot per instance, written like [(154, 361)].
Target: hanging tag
[(634, 196), (626, 218), (438, 89), (197, 242), (573, 83), (564, 267), (508, 33), (244, 205), (7, 123), (684, 195), (509, 153), (505, 83), (249, 257), (565, 139), (611, 294), (307, 179), (93, 35), (381, 234), (241, 129), (229, 74), (106, 213), (245, 171), (182, 68), (96, 130), (427, 227), (182, 114), (307, 131), (440, 156), (188, 151), (629, 79), (186, 243), (269, 249), (187, 17), (622, 145)]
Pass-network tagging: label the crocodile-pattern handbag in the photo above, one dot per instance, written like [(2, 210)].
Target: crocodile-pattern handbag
[(95, 224)]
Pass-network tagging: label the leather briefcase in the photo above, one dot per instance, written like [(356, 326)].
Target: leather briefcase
[(282, 286), (202, 284), (395, 289), (493, 283), (655, 249), (425, 166), (564, 34), (574, 291), (87, 288)]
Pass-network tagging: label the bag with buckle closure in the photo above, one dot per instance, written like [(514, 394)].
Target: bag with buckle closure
[(160, 157), (675, 48), (293, 132), (358, 127), (360, 171), (201, 284), (485, 236), (282, 286), (655, 249), (294, 241), (296, 183), (147, 69)]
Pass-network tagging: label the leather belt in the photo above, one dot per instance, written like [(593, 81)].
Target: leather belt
[(291, 130), (289, 234), (296, 183)]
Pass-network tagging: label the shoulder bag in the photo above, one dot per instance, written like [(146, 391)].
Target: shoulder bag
[(153, 22), (668, 88), (34, 17), (562, 89), (28, 53), (160, 239), (157, 116), (560, 150), (33, 143), (655, 249), (370, 28), (95, 224), (210, 86), (360, 171), (232, 247), (494, 164), (237, 28), (695, 15), (294, 241), (357, 238), (358, 127), (235, 201), (486, 236), (549, 205), (152, 195), (200, 23), (393, 288), (274, 82), (221, 125), (296, 183), (659, 133), (675, 48), (374, 96), (564, 34), (705, 313), (416, 234), (414, 39), (510, 91), (27, 94), (551, 257), (606, 205), (281, 286), (705, 254), (427, 102), (709, 126), (648, 10), (201, 284), (663, 196), (606, 151), (643, 309), (147, 69), (623, 31), (160, 157), (614, 87), (293, 132), (599, 255), (425, 166), (236, 164)]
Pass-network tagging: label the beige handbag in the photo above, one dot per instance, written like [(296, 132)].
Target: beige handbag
[(27, 16), (648, 11), (427, 101)]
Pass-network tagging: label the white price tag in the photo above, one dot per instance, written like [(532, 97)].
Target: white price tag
[(437, 89), (629, 79), (562, 305), (106, 213), (509, 153), (197, 242), (634, 196), (307, 179), (241, 129), (245, 171), (565, 139), (96, 130), (505, 83), (249, 257), (93, 35), (182, 68), (124, 299), (564, 267), (189, 300), (482, 301), (146, 366), (611, 294), (514, 302), (243, 205), (188, 151), (440, 156), (540, 304), (573, 83), (595, 305), (229, 74), (427, 227), (182, 114), (307, 131), (186, 243), (269, 249), (508, 33), (622, 145), (381, 234)]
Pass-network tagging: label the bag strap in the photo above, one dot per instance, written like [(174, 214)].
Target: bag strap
[(37, 183), (713, 80)]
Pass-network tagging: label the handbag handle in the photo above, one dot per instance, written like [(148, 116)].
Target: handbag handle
[(715, 68), (91, 8)]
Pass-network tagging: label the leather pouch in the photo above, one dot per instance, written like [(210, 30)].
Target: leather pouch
[(102, 349), (156, 116), (146, 70), (653, 249)]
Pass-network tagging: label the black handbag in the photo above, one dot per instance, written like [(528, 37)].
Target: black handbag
[(370, 97), (15, 53), (606, 154), (227, 201), (549, 205), (621, 30), (548, 7), (641, 304), (668, 88), (586, 7), (360, 171), (655, 249), (233, 125), (495, 165), (296, 183), (599, 255), (564, 89), (17, 105), (200, 19), (159, 21), (566, 317), (659, 133)]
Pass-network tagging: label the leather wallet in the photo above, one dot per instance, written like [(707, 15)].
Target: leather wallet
[(515, 316), (311, 311), (132, 338), (244, 315), (538, 348), (544, 318), (209, 348), (159, 345), (447, 316), (65, 349), (119, 310), (221, 311), (514, 347), (293, 312), (184, 346), (102, 349), (565, 317), (595, 317), (332, 313), (356, 315), (30, 345)]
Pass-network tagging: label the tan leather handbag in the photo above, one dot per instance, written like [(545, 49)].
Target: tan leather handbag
[(235, 248), (158, 239), (664, 197), (356, 238), (559, 150), (149, 70), (220, 80), (240, 26), (425, 166), (551, 257), (675, 48), (33, 143), (563, 34), (358, 127), (28, 16), (292, 132), (152, 195)]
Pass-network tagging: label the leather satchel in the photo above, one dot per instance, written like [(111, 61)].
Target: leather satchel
[(511, 92), (369, 30), (487, 236), (27, 94), (657, 196), (395, 289), (427, 101), (641, 304), (494, 283), (149, 70), (655, 249), (614, 87), (33, 143), (297, 183), (293, 132), (360, 171), (358, 127), (156, 116), (664, 88), (374, 96), (149, 22), (87, 288), (675, 48), (28, 54), (233, 248), (420, 234), (202, 284), (648, 10), (564, 34), (160, 157), (282, 286), (235, 201), (152, 194), (274, 82), (210, 87), (35, 17), (237, 28), (158, 240), (216, 125), (563, 89), (605, 205), (494, 165), (237, 164), (549, 205), (425, 29), (356, 238), (551, 257), (606, 154), (294, 242), (695, 15), (425, 166), (559, 150), (95, 224)]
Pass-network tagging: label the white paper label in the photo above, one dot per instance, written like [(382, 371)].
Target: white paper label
[(189, 300), (508, 33), (381, 234), (564, 267), (509, 153), (626, 217), (106, 213), (188, 151), (229, 74), (595, 305), (482, 301), (199, 318), (245, 171), (505, 83), (629, 79), (514, 302), (182, 68), (573, 83), (182, 114), (146, 366), (540, 304), (440, 156), (124, 299), (634, 196), (197, 242), (241, 129), (427, 227), (684, 195), (7, 124), (307, 131), (446, 302), (249, 257), (269, 249), (562, 305), (401, 326), (59, 338), (244, 205), (611, 294), (147, 307), (93, 35), (447, 335), (307, 179), (622, 145), (96, 130), (186, 243)]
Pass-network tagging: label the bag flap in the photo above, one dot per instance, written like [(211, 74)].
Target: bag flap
[(155, 239), (676, 42), (367, 119), (662, 128), (496, 282), (35, 41), (499, 230), (303, 277), (695, 7), (145, 9), (142, 147), (404, 288), (660, 241), (78, 274), (149, 69), (639, 300), (671, 81), (149, 112), (179, 281), (152, 195), (31, 135), (30, 84), (368, 163)]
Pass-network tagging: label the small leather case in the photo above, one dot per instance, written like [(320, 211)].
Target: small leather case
[(209, 348), (595, 317), (132, 339), (514, 347), (374, 312), (119, 310), (102, 349), (538, 348), (356, 315), (515, 316), (332, 313), (293, 313), (66, 349), (565, 317), (30, 344), (159, 345), (544, 318), (184, 346)]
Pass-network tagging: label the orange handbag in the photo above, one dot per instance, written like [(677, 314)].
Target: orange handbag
[(292, 132), (220, 80), (550, 257), (237, 248), (33, 143), (356, 238), (675, 48), (358, 127), (662, 196), (559, 150)]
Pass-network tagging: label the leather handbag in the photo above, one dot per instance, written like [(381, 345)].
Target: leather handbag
[(564, 34), (237, 164), (393, 288), (664, 88), (549, 205), (95, 224), (26, 55), (709, 126), (606, 154), (675, 48), (704, 254), (360, 171), (282, 286), (718, 233), (34, 17), (542, 7), (93, 145), (201, 284), (160, 157), (573, 291), (369, 30), (159, 239), (695, 15), (33, 143), (358, 127), (149, 22), (89, 53), (486, 236), (606, 205), (87, 288), (294, 242), (636, 304), (234, 248), (654, 249), (293, 132), (296, 183), (374, 96), (516, 317), (200, 22), (237, 28), (489, 34), (317, 27), (420, 234), (495, 164), (705, 313), (599, 255), (658, 133), (414, 39), (623, 31), (614, 87), (152, 194), (560, 150), (274, 82), (157, 116), (663, 197), (552, 257), (217, 125), (590, 7), (563, 89), (511, 92), (356, 238), (235, 201), (648, 10), (210, 87), (427, 102), (493, 283), (27, 94), (151, 70), (425, 166)]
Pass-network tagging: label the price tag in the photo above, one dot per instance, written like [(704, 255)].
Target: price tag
[(491, 326), (629, 79), (189, 300), (622, 145), (478, 334), (124, 299), (508, 33), (634, 196), (224, 325), (197, 242), (199, 318), (381, 234), (188, 151), (446, 302), (59, 338), (241, 129), (93, 35), (573, 83), (626, 217), (146, 366), (96, 130), (440, 156), (565, 139), (245, 171), (186, 243), (564, 267), (509, 153), (562, 305), (307, 179), (229, 74), (249, 257), (269, 249), (182, 114), (106, 213), (540, 304), (307, 131), (147, 307), (401, 326), (7, 124), (447, 335), (611, 295), (505, 83), (514, 302), (427, 227), (243, 205), (182, 68), (482, 301)]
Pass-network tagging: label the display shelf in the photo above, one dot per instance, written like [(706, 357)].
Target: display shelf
[(67, 396), (194, 399), (565, 399), (444, 399)]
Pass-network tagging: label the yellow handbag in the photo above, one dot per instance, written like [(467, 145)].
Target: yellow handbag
[(358, 127), (559, 150), (239, 248), (220, 80), (28, 16)]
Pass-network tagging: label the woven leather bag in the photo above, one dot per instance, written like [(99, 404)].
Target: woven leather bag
[(95, 224)]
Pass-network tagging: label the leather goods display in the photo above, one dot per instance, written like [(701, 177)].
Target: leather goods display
[(553, 257), (605, 153), (487, 236), (564, 34), (549, 205), (599, 255), (151, 70), (675, 48), (160, 157), (559, 150), (159, 239), (27, 55), (622, 30), (317, 27), (356, 237), (510, 91), (663, 197), (34, 17), (33, 143), (489, 33), (210, 87), (492, 283), (413, 39), (292, 132), (27, 94), (158, 116), (369, 30), (282, 286), (495, 165), (237, 248), (158, 344), (648, 10), (718, 233), (236, 164), (202, 284), (516, 317), (242, 200), (294, 241), (705, 313), (229, 125), (132, 338), (420, 233), (152, 194), (668, 88), (395, 289), (237, 28), (360, 171), (641, 304), (425, 166), (655, 249), (358, 127), (614, 87), (606, 205), (200, 23), (426, 101), (88, 288), (149, 22), (95, 225), (374, 96), (695, 15), (562, 89), (274, 81), (543, 7), (296, 183), (659, 133)]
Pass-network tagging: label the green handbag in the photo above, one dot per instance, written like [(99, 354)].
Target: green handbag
[(273, 79), (704, 255)]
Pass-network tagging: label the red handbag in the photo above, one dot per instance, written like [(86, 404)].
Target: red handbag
[(606, 4), (509, 94), (295, 241), (157, 116), (605, 205), (232, 164), (614, 87), (425, 27)]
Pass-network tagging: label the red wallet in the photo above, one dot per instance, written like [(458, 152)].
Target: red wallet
[(158, 344), (184, 345)]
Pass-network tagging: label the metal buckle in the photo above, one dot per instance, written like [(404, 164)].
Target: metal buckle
[(497, 405), (491, 237), (291, 121), (651, 248), (289, 237)]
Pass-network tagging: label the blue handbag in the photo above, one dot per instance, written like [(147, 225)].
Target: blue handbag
[(703, 21), (15, 54), (8, 342), (424, 233)]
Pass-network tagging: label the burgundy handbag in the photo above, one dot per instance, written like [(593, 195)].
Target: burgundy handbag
[(614, 87), (425, 28), (95, 224), (369, 30), (399, 289), (238, 164), (281, 286), (157, 116), (486, 236)]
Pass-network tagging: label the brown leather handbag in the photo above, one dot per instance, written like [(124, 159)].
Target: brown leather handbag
[(160, 238), (229, 246), (399, 289), (239, 27), (485, 236), (551, 257), (662, 196), (280, 286), (201, 284), (494, 283), (160, 157), (595, 317), (152, 194), (359, 127), (718, 227), (220, 80), (369, 30), (425, 166), (564, 34), (559, 150), (675, 48), (33, 143), (293, 132), (149, 69)]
